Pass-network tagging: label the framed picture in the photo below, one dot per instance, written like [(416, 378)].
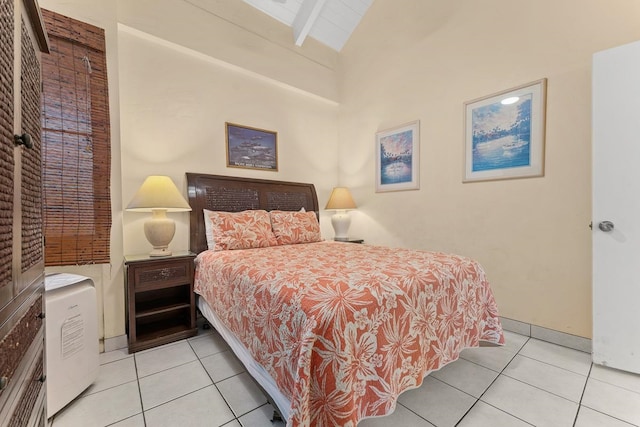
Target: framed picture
[(251, 148), (504, 134), (398, 157)]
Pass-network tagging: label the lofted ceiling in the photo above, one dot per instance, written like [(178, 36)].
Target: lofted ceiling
[(331, 22)]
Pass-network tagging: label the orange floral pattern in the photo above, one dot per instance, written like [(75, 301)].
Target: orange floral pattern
[(239, 230), (344, 329), (295, 227)]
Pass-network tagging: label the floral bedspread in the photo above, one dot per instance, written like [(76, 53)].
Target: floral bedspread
[(344, 328)]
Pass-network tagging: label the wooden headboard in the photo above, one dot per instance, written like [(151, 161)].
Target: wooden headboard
[(233, 194)]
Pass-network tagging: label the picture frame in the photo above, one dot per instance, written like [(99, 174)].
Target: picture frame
[(505, 134), (398, 158), (251, 148)]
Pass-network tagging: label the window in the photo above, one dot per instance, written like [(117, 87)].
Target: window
[(76, 153)]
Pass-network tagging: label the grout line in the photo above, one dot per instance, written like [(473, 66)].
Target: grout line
[(595, 410), (172, 367), (125, 357), (575, 419), (630, 390), (236, 418), (539, 388), (176, 398), (87, 394), (119, 421), (492, 382), (135, 365), (496, 408), (410, 410), (556, 366)]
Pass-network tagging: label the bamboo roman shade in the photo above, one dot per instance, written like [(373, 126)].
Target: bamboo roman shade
[(76, 149)]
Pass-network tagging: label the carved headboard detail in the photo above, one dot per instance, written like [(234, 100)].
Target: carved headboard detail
[(234, 194)]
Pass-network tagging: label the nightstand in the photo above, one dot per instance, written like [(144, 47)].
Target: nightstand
[(160, 299), (350, 240)]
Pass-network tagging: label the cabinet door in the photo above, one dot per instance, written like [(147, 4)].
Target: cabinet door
[(28, 222), (22, 37), (6, 151), (21, 248)]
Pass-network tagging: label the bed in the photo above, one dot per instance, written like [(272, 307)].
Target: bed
[(333, 332)]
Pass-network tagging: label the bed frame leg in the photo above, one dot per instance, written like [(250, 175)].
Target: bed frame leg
[(276, 417), (205, 323)]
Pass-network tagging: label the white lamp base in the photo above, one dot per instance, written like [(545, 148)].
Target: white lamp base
[(160, 252), (341, 222), (160, 231)]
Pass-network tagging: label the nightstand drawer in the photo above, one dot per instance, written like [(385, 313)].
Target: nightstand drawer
[(161, 275)]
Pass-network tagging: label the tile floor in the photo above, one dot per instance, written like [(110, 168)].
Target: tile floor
[(199, 382)]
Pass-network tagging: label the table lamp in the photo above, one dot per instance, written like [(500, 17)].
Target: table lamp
[(159, 195), (340, 201)]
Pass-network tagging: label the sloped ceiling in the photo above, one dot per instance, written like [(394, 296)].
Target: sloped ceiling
[(331, 22)]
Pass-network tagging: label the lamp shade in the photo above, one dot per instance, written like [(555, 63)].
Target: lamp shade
[(340, 199), (158, 192), (159, 195)]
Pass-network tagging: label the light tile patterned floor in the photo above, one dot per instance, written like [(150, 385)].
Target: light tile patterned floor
[(199, 382)]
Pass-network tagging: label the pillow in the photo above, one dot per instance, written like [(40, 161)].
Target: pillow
[(208, 229), (295, 227), (238, 230)]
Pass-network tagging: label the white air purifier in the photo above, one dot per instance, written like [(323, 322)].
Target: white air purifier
[(71, 338)]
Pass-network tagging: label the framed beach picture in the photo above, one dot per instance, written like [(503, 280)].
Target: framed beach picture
[(251, 148), (398, 157), (504, 134)]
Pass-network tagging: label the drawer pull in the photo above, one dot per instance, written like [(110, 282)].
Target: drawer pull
[(3, 382)]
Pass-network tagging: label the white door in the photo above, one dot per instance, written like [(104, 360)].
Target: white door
[(616, 207)]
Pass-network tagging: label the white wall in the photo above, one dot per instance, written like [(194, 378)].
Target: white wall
[(238, 34), (421, 60)]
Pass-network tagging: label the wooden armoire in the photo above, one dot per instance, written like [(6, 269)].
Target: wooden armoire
[(22, 390)]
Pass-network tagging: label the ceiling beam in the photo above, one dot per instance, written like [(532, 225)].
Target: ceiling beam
[(304, 20)]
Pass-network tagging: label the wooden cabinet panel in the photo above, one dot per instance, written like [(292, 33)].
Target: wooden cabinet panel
[(6, 151), (22, 38)]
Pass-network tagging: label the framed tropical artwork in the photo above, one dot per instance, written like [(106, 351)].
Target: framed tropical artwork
[(504, 134), (398, 158), (251, 148)]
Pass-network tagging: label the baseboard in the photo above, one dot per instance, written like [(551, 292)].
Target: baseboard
[(115, 343), (545, 334)]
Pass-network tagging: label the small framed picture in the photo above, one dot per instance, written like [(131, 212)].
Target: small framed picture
[(251, 148), (504, 134), (398, 158)]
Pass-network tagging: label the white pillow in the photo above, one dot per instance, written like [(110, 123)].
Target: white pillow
[(208, 229)]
